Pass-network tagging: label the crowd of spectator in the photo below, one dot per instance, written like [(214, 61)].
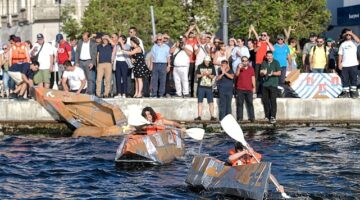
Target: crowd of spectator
[(196, 64)]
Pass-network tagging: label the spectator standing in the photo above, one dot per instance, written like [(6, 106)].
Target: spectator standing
[(294, 51), (202, 49), (73, 44), (192, 40), (133, 33), (319, 56), (73, 79), (104, 67), (245, 89), (182, 55), (282, 55), (238, 52), (121, 67), (229, 49), (140, 68), (161, 65), (251, 47), (306, 52), (333, 55), (63, 54), (270, 70), (225, 86), (205, 74), (45, 56), (5, 67), (263, 45), (85, 58), (348, 63)]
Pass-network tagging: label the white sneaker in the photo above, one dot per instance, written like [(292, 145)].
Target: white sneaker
[(123, 96)]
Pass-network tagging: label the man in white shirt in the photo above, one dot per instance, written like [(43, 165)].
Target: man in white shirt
[(73, 77), (348, 63), (45, 56), (182, 55), (133, 33)]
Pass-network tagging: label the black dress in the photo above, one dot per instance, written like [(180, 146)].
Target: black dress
[(140, 68)]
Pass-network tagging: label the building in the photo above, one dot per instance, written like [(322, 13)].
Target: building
[(344, 14), (26, 18)]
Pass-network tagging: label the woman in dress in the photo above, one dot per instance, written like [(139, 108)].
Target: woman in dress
[(140, 68)]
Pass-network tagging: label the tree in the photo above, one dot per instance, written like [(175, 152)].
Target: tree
[(171, 15), (273, 16), (69, 24)]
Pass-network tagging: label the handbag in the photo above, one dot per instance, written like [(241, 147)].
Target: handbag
[(128, 62), (36, 57)]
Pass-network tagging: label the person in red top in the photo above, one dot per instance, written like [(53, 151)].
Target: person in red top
[(63, 53), (158, 122), (245, 89), (192, 40), (241, 156), (262, 46)]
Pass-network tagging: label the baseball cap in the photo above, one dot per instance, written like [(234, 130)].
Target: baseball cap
[(17, 39), (40, 36), (207, 58), (280, 36), (329, 39), (312, 34), (59, 37)]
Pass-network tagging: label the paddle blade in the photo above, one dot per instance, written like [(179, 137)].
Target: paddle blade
[(233, 129), (285, 196), (195, 133), (137, 120)]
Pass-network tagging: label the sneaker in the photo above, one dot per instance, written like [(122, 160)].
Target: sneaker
[(252, 120), (13, 96), (213, 119), (344, 95), (266, 119), (187, 96), (354, 94), (21, 98), (123, 96), (153, 96), (272, 120), (198, 119)]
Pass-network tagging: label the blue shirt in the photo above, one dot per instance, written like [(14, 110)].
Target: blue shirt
[(160, 53), (105, 53), (225, 84), (281, 53), (23, 68)]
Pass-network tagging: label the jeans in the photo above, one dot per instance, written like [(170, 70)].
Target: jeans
[(269, 95), (317, 70), (158, 79), (192, 79), (5, 79), (121, 75), (225, 98), (282, 76), (247, 96)]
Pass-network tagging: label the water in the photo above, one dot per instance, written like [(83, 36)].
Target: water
[(312, 163)]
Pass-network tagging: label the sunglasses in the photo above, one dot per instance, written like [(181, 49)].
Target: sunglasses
[(5, 48), (158, 39), (264, 35), (280, 39), (320, 41), (244, 60)]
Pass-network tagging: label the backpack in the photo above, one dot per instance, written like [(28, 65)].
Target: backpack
[(172, 59)]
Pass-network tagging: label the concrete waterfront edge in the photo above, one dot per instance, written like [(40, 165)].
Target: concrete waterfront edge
[(291, 109)]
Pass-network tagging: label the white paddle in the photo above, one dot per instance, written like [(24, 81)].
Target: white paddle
[(233, 129), (138, 120)]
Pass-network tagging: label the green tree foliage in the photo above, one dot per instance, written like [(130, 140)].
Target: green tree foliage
[(273, 16), (171, 15), (69, 25)]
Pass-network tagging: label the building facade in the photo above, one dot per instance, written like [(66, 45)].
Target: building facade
[(26, 18)]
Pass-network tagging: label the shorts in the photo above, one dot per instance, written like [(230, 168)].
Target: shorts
[(205, 92), (42, 76), (16, 76)]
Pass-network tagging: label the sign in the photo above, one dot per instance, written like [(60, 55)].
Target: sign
[(317, 85), (348, 16)]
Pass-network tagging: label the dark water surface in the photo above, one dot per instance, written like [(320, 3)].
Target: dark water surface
[(311, 163)]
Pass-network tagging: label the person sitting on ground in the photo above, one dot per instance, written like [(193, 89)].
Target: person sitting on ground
[(158, 122), (23, 75), (74, 77), (242, 156)]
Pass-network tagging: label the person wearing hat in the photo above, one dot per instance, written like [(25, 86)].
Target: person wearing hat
[(43, 53), (306, 52), (205, 75), (282, 55), (333, 53), (63, 54)]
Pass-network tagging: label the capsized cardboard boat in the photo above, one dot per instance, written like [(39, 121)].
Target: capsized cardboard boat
[(159, 148), (245, 181), (88, 115)]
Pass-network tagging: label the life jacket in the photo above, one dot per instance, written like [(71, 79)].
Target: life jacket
[(18, 54), (244, 160), (157, 126)]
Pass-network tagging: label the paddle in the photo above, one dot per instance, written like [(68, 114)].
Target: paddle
[(138, 120), (233, 129)]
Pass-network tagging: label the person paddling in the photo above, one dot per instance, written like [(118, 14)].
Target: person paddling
[(241, 156), (158, 122)]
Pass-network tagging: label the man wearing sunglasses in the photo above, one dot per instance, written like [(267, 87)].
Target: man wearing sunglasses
[(319, 56), (282, 55)]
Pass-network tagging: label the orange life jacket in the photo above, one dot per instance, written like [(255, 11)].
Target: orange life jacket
[(18, 54), (245, 159), (151, 129)]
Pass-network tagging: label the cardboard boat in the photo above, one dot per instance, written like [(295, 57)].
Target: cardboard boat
[(245, 181), (156, 149), (88, 115)]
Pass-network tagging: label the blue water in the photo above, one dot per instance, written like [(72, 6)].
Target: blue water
[(311, 163)]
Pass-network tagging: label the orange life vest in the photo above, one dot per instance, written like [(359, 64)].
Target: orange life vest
[(151, 129), (245, 160), (18, 54)]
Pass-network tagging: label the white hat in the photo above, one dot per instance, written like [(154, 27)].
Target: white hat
[(207, 58)]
